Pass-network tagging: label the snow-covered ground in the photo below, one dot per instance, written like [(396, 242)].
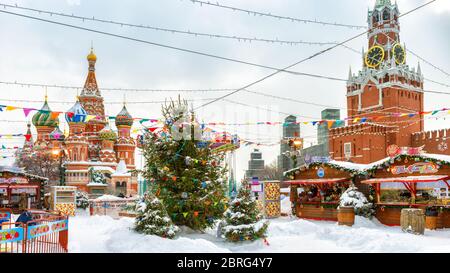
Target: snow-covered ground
[(285, 234)]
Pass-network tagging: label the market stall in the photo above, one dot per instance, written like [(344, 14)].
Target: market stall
[(20, 190), (63, 199), (411, 179), (317, 186)]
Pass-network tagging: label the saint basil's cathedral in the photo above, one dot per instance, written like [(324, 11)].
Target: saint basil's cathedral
[(386, 86), (91, 145)]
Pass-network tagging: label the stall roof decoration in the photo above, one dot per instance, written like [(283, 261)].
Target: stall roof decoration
[(318, 181), (20, 171), (409, 179), (435, 158), (353, 168), (364, 169)]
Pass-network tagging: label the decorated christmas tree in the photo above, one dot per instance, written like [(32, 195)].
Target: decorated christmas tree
[(153, 219), (243, 221), (186, 175)]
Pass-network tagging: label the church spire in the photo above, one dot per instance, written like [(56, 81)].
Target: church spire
[(90, 86)]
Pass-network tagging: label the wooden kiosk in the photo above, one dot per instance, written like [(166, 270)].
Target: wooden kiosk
[(410, 178), (20, 190), (63, 199), (317, 187)]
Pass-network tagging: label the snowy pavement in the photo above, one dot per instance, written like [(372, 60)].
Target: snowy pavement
[(285, 234)]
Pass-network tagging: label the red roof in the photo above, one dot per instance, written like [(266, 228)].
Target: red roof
[(409, 179), (317, 181)]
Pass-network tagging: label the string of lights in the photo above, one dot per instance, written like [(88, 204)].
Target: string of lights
[(306, 59), (279, 17), (112, 103), (193, 33), (173, 31), (174, 47), (427, 62)]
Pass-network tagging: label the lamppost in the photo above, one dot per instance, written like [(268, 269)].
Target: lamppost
[(296, 145), (60, 153)]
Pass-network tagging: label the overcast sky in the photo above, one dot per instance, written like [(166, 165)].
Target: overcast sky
[(33, 51)]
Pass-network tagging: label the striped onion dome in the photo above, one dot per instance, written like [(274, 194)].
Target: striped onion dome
[(76, 114), (107, 134), (44, 118), (124, 118)]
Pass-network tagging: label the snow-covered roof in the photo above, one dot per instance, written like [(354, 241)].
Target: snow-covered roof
[(20, 171), (334, 163), (440, 157), (363, 168), (103, 168), (121, 169), (108, 197), (96, 184)]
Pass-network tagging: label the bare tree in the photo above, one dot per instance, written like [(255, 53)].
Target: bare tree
[(39, 162)]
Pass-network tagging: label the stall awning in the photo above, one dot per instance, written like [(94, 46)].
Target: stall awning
[(317, 181), (408, 179)]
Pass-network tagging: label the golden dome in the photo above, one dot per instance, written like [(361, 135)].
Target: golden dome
[(92, 57)]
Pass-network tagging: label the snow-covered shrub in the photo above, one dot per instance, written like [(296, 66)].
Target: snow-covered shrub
[(356, 199), (82, 199), (243, 221), (153, 218)]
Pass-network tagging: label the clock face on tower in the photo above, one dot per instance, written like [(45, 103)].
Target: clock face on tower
[(374, 56), (399, 54)]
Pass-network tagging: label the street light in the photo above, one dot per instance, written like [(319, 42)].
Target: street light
[(296, 145)]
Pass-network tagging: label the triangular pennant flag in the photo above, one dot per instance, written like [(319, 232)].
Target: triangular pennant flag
[(435, 112), (27, 111), (330, 123), (10, 108), (54, 115), (28, 137), (3, 147)]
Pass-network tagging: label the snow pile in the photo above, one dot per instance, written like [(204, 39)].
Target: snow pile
[(353, 198), (104, 234)]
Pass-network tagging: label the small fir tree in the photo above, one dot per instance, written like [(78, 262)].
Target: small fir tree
[(82, 199), (356, 199), (243, 221), (153, 219)]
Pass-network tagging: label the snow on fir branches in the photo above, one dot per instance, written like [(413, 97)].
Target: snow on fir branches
[(243, 221), (356, 199), (152, 218), (186, 176)]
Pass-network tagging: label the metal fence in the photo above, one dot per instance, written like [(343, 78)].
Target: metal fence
[(47, 233)]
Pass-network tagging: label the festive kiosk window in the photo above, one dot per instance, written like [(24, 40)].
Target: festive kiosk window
[(431, 192), (394, 192)]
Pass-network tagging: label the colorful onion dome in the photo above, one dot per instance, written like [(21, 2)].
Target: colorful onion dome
[(107, 134), (57, 134), (76, 113), (92, 57), (124, 118), (44, 118)]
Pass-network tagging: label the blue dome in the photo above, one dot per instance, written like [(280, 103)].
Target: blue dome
[(76, 113)]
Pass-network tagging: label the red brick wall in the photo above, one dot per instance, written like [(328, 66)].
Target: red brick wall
[(433, 140)]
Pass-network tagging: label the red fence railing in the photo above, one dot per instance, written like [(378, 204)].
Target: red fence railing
[(46, 233)]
